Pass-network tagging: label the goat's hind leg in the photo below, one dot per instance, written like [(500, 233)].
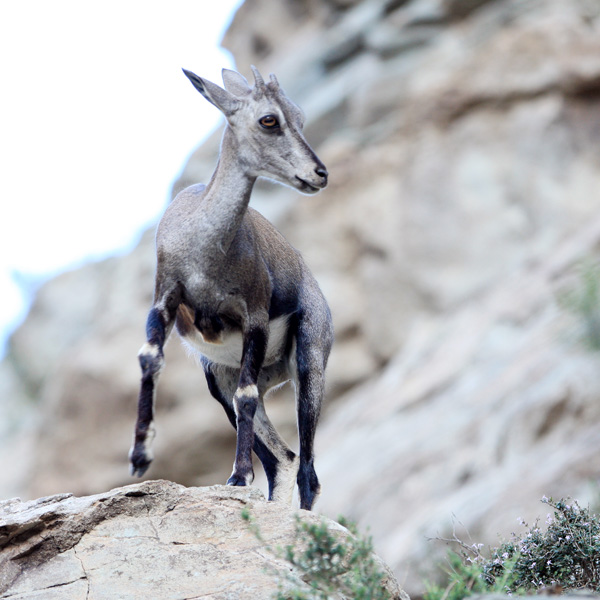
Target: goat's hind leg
[(151, 359), (279, 461)]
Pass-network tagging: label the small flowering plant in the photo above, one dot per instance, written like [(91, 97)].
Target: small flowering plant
[(563, 555), (566, 553)]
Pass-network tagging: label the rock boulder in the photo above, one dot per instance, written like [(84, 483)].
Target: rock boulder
[(151, 540)]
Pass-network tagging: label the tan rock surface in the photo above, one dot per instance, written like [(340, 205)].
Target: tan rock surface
[(151, 540)]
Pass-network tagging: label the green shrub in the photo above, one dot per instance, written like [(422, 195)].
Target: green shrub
[(328, 564), (466, 577), (565, 555)]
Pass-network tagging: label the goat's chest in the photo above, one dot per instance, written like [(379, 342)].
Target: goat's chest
[(227, 348)]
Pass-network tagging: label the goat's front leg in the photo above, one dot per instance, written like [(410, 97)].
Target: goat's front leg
[(151, 358), (245, 402), (313, 343)]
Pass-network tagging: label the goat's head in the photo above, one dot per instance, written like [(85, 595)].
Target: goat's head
[(267, 127)]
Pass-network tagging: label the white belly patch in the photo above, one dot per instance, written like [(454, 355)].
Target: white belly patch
[(229, 351)]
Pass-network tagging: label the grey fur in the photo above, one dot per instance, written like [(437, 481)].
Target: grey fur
[(242, 297)]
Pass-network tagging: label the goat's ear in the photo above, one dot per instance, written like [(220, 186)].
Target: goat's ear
[(226, 102), (235, 83)]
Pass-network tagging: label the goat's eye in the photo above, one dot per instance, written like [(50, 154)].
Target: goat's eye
[(269, 122)]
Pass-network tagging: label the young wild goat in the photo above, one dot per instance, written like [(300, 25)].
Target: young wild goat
[(239, 294)]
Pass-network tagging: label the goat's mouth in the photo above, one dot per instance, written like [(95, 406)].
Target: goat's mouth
[(308, 188)]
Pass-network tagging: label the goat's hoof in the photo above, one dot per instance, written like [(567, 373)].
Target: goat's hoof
[(138, 465), (239, 480), (138, 471), (308, 485)]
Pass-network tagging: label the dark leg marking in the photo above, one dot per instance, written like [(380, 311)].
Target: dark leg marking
[(245, 402), (311, 383), (151, 361), (155, 328), (245, 409)]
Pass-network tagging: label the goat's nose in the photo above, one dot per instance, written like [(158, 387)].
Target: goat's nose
[(322, 172)]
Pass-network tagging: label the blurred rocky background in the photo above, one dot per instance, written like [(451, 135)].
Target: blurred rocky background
[(456, 244)]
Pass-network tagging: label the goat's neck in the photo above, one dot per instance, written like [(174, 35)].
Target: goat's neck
[(226, 198)]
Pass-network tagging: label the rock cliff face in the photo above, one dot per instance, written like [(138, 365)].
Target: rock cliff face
[(152, 540), (462, 141)]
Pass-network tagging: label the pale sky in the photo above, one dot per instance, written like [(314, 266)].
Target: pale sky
[(96, 121)]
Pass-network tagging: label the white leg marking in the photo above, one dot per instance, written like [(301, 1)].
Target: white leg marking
[(153, 352), (148, 350), (148, 443), (249, 390), (285, 480)]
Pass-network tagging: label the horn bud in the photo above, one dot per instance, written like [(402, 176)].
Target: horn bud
[(259, 82), (274, 82)]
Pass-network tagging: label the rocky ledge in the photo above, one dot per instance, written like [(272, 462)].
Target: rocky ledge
[(155, 539)]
